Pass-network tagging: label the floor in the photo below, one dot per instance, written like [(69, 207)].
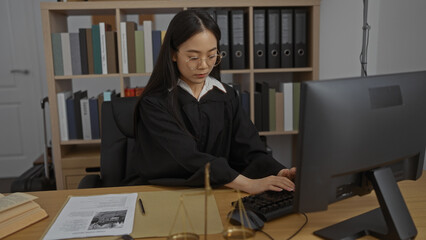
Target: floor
[(5, 184)]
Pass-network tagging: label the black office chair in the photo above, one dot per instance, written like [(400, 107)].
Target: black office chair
[(117, 141)]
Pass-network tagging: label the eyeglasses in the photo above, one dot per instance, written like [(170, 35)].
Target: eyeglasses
[(212, 61)]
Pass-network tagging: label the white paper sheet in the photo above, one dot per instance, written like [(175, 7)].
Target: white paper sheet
[(100, 215)]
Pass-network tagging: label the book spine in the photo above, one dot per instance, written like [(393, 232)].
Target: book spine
[(72, 130), (103, 48), (124, 47), (58, 65), (94, 117), (147, 28), (66, 53), (62, 112), (85, 119), (89, 42), (83, 51), (75, 53), (111, 43), (140, 51), (96, 42), (288, 106)]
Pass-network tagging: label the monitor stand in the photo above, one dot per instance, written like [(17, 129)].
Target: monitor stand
[(391, 221)]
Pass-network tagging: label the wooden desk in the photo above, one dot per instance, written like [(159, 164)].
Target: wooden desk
[(414, 193)]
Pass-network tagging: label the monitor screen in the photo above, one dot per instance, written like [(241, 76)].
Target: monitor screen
[(359, 134)]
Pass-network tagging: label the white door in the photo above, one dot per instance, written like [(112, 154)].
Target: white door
[(21, 134)]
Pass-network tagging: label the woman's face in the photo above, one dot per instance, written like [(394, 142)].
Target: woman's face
[(195, 56)]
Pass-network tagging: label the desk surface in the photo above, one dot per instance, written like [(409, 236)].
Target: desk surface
[(413, 191)]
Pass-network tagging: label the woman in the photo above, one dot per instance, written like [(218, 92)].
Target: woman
[(186, 117)]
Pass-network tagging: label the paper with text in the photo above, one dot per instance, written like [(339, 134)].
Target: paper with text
[(100, 215)]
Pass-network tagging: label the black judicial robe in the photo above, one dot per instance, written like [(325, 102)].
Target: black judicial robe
[(216, 130)]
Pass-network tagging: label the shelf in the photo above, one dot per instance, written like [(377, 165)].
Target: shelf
[(275, 70), (81, 142), (86, 76), (273, 133), (82, 152)]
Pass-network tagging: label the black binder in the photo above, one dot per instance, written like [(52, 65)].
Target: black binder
[(300, 37), (287, 38), (263, 88), (83, 51), (259, 28), (238, 40), (222, 19), (273, 38), (77, 111)]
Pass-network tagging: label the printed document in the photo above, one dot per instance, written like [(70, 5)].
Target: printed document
[(90, 216)]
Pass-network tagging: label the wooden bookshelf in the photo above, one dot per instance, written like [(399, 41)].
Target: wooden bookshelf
[(72, 159)]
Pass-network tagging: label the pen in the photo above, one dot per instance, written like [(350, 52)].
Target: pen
[(142, 208)]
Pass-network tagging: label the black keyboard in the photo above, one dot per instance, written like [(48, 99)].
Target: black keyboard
[(270, 205)]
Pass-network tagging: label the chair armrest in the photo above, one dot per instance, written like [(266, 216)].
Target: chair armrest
[(90, 181)]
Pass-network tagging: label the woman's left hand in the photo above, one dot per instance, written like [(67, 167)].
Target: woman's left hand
[(288, 173)]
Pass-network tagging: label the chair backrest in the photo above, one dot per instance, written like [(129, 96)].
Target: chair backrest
[(117, 140)]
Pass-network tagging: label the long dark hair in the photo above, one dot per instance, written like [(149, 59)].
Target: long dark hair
[(165, 74), (182, 27)]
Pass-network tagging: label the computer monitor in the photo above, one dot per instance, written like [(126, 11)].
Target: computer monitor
[(357, 135)]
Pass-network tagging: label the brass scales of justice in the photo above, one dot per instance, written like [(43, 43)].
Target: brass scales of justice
[(230, 232)]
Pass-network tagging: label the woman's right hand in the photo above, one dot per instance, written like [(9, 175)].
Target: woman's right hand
[(254, 186)]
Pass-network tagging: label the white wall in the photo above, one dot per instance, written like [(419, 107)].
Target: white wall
[(397, 37), (397, 43)]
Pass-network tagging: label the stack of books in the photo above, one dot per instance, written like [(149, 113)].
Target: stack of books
[(17, 211)]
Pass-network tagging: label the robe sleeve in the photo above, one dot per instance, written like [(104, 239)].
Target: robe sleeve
[(173, 150), (248, 152)]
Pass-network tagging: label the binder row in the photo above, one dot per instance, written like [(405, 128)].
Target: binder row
[(80, 115), (280, 37), (274, 109), (140, 46), (94, 50), (90, 51), (277, 110), (233, 47)]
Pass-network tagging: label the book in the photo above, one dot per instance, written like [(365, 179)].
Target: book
[(89, 43), (85, 118), (94, 117), (17, 211), (75, 54), (102, 40), (66, 53), (72, 128), (58, 66), (62, 113), (140, 51), (279, 111), (263, 89), (272, 110), (130, 92), (131, 52), (123, 36), (96, 45), (287, 89), (139, 91), (111, 48), (147, 28), (100, 102), (245, 102), (156, 45), (77, 112), (83, 50), (296, 105)]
